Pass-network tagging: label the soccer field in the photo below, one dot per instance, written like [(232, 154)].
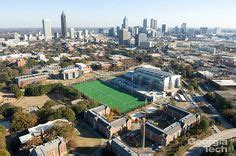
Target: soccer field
[(113, 98)]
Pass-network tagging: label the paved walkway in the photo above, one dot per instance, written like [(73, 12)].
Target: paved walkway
[(199, 147)]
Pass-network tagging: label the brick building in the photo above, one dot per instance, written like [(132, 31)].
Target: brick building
[(56, 147), (26, 80), (184, 120), (96, 117)]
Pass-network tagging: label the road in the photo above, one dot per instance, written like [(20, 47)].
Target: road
[(214, 112), (201, 145)]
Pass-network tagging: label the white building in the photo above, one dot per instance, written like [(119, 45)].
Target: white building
[(47, 29), (72, 33), (69, 73), (83, 67), (156, 79)]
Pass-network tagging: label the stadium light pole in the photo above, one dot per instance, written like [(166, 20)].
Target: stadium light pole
[(144, 123)]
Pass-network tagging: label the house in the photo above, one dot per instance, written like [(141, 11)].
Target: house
[(96, 117), (56, 147)]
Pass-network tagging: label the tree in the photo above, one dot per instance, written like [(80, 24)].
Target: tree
[(204, 124), (4, 153), (69, 114), (190, 87), (7, 110), (16, 90), (21, 121), (63, 129)]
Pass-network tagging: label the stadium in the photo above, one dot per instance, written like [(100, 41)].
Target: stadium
[(112, 97)]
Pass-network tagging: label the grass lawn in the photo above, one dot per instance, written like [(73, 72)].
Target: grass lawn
[(113, 98)]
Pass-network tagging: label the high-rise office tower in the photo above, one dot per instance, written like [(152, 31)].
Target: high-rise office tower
[(86, 33), (191, 33), (136, 30), (218, 31), (79, 34), (145, 23), (124, 36), (203, 30), (125, 23), (72, 33), (47, 30), (163, 28), (63, 25), (153, 24), (184, 27), (112, 32), (141, 37), (56, 35)]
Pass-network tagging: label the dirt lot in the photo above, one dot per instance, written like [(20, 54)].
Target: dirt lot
[(27, 101)]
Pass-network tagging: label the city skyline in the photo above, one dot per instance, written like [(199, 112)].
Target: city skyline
[(107, 13)]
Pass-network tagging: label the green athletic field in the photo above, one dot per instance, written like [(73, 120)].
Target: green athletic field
[(113, 98)]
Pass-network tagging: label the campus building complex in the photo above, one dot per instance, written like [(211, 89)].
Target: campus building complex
[(148, 82), (156, 79), (56, 147), (23, 81), (96, 117), (184, 120)]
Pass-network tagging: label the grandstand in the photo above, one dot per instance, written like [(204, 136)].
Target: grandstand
[(105, 94)]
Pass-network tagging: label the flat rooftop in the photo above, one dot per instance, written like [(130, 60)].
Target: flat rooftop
[(225, 82), (228, 95)]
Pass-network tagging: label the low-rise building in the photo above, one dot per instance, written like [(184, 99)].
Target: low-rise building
[(185, 121), (84, 68), (56, 147), (121, 149), (38, 130), (25, 80), (21, 62), (69, 73), (96, 117), (224, 83)]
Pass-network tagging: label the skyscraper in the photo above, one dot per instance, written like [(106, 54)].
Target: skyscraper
[(184, 27), (203, 30), (124, 36), (163, 28), (141, 37), (47, 30), (63, 25), (125, 23), (153, 24), (218, 31), (145, 23), (72, 33)]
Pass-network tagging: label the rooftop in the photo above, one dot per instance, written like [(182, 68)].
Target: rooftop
[(225, 82), (154, 72)]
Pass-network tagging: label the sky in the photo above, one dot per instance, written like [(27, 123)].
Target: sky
[(110, 13)]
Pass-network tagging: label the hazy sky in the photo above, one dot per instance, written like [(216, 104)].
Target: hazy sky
[(104, 13)]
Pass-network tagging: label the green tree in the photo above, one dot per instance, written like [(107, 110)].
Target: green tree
[(204, 124), (16, 90), (21, 121), (4, 153), (63, 129), (69, 114)]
